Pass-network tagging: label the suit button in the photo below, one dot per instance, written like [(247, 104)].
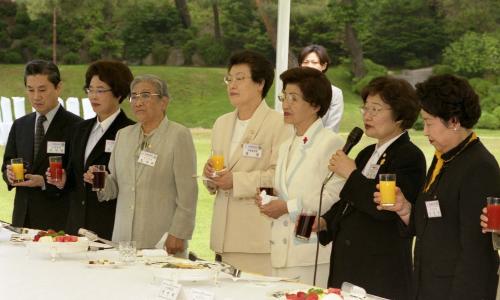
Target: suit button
[(284, 241), (133, 189), (285, 223), (272, 242), (83, 202), (347, 242), (131, 207)]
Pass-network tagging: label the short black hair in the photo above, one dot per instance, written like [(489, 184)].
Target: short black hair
[(447, 97), (116, 74), (398, 94), (261, 68), (43, 67), (320, 52), (313, 84)]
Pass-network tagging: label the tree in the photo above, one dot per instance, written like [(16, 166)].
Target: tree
[(406, 33), (183, 11), (346, 13)]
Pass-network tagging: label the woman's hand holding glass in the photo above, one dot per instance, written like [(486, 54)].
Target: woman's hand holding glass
[(224, 179), (341, 164), (402, 206), (30, 180), (319, 227), (274, 209), (484, 220)]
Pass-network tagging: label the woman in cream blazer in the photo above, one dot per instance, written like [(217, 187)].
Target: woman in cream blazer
[(302, 167)]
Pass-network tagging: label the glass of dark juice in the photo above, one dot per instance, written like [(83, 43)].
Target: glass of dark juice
[(99, 173), (266, 184), (305, 224)]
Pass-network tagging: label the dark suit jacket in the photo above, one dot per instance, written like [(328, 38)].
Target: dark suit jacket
[(85, 210), (453, 259), (34, 207), (368, 249)]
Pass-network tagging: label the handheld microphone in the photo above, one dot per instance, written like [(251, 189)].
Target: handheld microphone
[(352, 139)]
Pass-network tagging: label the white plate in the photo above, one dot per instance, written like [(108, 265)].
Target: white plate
[(60, 247)]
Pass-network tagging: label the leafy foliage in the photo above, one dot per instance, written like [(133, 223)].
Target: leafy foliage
[(474, 54)]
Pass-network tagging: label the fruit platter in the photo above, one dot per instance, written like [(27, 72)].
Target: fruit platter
[(310, 294), (55, 243)]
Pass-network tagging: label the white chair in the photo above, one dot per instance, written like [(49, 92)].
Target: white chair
[(73, 105), (19, 108), (88, 112), (6, 110), (7, 120)]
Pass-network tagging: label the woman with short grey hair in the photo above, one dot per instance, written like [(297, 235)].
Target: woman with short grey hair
[(152, 172)]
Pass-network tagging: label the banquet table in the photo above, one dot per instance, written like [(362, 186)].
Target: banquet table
[(25, 274)]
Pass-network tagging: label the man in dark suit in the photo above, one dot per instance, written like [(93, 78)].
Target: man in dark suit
[(34, 137), (107, 84)]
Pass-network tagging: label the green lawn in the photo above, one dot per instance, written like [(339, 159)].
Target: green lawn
[(200, 242)]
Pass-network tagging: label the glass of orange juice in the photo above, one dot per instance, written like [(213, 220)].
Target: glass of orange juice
[(387, 185), (217, 161), (18, 169)]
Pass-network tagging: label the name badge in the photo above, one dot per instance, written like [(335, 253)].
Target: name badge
[(433, 209), (197, 294), (169, 290), (147, 158), (252, 150), (372, 171), (109, 146), (55, 147)]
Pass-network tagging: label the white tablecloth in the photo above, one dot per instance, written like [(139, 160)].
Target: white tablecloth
[(28, 275)]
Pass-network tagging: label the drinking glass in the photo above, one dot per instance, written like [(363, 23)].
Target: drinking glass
[(127, 251), (18, 169), (387, 185), (55, 164), (266, 184), (99, 177), (217, 162), (493, 214), (305, 223)]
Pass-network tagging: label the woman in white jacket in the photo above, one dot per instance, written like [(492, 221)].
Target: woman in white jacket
[(301, 168)]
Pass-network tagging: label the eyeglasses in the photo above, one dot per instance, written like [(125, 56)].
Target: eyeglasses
[(89, 91), (228, 79), (371, 110), (144, 96), (311, 62), (288, 97)]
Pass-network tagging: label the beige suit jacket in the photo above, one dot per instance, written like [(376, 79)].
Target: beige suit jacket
[(153, 200), (237, 224)]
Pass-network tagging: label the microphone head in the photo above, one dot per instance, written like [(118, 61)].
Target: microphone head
[(352, 139), (355, 135)]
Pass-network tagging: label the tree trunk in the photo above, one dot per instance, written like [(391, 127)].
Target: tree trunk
[(355, 51), (215, 10), (54, 36), (353, 45), (271, 31), (183, 10)]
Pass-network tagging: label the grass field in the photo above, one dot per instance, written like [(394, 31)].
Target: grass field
[(198, 94), (200, 241)]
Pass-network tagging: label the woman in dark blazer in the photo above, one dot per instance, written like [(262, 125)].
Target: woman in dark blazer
[(453, 259), (368, 249), (107, 84)]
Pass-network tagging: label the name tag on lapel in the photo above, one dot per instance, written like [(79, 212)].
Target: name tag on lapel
[(55, 147), (433, 209), (372, 171), (109, 146), (147, 158), (252, 150)]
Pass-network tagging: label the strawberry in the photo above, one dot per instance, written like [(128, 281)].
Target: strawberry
[(312, 296), (59, 238), (51, 231), (73, 238), (36, 238), (333, 291), (66, 238)]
